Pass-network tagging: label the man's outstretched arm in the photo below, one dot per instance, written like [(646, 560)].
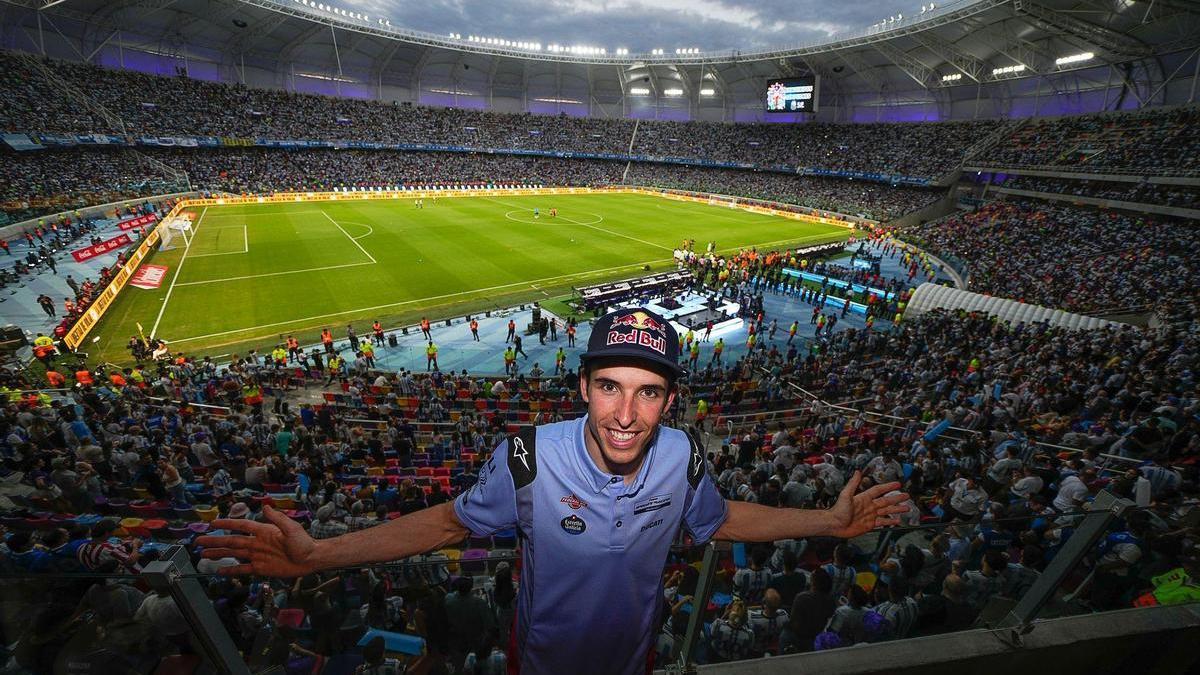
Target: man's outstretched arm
[(852, 515), (281, 547)]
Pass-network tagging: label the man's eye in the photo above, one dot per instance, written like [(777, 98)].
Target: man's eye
[(650, 393)]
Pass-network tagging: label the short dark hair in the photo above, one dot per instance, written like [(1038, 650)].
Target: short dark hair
[(821, 581)]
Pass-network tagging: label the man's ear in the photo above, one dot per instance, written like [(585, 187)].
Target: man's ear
[(583, 385)]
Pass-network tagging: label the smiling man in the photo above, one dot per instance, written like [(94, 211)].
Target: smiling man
[(596, 501)]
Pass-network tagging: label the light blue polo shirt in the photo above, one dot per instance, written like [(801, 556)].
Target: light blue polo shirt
[(593, 548)]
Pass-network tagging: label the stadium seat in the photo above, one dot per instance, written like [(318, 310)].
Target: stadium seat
[(198, 528), (474, 561), (453, 554), (866, 580), (207, 513), (133, 527), (291, 617), (184, 514), (179, 664)]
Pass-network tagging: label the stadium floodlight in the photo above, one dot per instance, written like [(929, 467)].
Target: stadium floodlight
[(673, 92), (1008, 69), (952, 77), (1074, 58), (639, 91), (708, 92)]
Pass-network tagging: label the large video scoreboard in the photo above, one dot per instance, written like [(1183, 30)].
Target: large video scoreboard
[(793, 95)]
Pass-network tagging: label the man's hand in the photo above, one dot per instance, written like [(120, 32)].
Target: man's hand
[(279, 548), (856, 514)]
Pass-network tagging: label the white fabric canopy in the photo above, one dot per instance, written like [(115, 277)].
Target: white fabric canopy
[(929, 296)]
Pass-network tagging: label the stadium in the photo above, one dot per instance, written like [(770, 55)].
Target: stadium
[(894, 305)]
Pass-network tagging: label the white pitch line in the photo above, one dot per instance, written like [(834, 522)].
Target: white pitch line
[(601, 229), (352, 239), (474, 290), (186, 250), (273, 274), (245, 247), (271, 214)]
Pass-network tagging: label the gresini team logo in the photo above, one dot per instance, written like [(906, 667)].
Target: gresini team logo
[(573, 524), (643, 334), (574, 502), (652, 504)]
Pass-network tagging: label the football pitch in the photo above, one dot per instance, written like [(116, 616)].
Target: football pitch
[(255, 272)]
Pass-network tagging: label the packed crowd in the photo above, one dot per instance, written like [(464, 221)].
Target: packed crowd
[(1159, 194), (160, 106), (1076, 259), (875, 201), (1008, 501), (33, 184), (1142, 142), (66, 179)]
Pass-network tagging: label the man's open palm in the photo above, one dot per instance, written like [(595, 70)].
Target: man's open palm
[(278, 548), (857, 513)]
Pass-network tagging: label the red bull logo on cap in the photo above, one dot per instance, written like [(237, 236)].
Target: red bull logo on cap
[(641, 321), (644, 327)]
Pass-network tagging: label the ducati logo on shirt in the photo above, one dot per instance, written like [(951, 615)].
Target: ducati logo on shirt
[(573, 524), (574, 502)]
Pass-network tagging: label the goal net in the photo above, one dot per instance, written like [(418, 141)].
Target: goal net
[(173, 230)]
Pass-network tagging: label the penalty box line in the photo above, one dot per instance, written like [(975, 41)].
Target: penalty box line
[(371, 258), (245, 242)]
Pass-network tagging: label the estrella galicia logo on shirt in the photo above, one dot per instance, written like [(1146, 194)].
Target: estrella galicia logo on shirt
[(574, 502), (652, 504), (573, 524)]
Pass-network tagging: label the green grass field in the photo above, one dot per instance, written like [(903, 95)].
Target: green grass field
[(254, 272)]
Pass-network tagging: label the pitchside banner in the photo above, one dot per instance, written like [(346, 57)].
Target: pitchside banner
[(148, 276), (102, 248), (137, 222)]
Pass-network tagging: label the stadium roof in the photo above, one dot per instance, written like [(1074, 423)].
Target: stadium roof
[(968, 42)]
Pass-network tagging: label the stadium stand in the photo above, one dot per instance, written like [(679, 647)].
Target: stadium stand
[(1147, 142), (1077, 259), (1001, 434), (1183, 196)]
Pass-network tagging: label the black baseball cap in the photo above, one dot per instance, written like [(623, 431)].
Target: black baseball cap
[(636, 333)]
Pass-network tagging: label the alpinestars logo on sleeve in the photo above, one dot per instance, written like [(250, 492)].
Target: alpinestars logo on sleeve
[(520, 452)]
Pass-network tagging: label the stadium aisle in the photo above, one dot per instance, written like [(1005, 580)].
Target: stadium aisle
[(21, 307)]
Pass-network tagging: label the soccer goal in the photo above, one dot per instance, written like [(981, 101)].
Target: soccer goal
[(174, 229)]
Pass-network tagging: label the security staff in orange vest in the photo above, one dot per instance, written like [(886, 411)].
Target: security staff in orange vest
[(475, 330), (378, 329), (425, 328), (327, 340)]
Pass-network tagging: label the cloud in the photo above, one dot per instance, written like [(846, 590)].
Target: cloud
[(641, 25)]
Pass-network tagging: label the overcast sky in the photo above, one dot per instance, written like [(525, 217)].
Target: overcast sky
[(641, 25)]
